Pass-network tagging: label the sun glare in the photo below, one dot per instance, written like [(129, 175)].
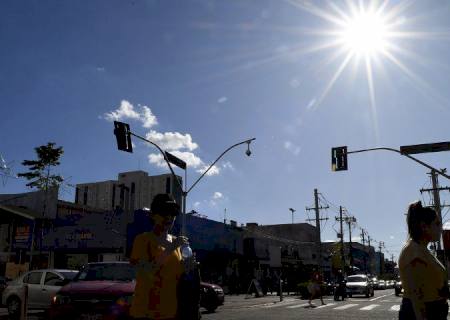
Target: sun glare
[(364, 34)]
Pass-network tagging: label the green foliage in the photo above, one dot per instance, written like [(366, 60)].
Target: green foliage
[(39, 174)]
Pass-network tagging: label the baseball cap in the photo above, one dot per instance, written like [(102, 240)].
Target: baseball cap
[(164, 204)]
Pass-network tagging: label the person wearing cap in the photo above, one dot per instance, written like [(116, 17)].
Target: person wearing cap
[(157, 257)]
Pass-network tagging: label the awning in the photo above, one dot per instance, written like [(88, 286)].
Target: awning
[(8, 213)]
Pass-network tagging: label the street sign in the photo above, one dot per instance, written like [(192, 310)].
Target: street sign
[(424, 148), (123, 136), (339, 158), (175, 160)]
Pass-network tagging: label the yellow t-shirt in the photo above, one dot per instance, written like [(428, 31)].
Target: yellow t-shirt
[(155, 294), (422, 274)]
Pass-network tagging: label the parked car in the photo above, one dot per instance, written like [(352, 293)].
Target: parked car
[(375, 283), (211, 296), (99, 290), (359, 284), (42, 286), (105, 290), (382, 284), (398, 287)]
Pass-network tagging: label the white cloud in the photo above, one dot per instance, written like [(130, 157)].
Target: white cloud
[(356, 239), (172, 140), (126, 111), (222, 100), (228, 165), (212, 172), (191, 159), (294, 149), (148, 118), (391, 237), (197, 204), (217, 195)]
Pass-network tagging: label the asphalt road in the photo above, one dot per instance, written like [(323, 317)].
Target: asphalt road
[(383, 306)]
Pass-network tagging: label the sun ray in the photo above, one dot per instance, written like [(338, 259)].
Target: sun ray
[(333, 79), (373, 105)]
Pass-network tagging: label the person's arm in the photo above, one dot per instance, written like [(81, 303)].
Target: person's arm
[(415, 272), (139, 256)]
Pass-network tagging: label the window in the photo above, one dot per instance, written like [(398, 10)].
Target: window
[(52, 279), (85, 195), (33, 278)]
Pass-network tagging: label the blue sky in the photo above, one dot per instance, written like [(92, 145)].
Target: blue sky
[(199, 76)]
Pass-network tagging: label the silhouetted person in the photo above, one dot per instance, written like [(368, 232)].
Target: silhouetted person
[(315, 289), (161, 275), (424, 278)]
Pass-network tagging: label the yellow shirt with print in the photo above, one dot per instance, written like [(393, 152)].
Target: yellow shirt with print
[(423, 276), (155, 294)]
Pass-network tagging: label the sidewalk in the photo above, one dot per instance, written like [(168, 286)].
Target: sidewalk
[(243, 301)]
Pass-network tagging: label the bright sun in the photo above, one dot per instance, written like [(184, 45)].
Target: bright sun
[(366, 34)]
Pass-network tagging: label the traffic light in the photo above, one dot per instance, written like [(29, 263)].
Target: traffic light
[(339, 158), (123, 136)]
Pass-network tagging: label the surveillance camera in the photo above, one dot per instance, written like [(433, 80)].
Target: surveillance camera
[(248, 152)]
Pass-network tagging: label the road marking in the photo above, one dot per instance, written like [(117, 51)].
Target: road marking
[(326, 305), (386, 295), (370, 307), (298, 306), (281, 303), (395, 308), (347, 306)]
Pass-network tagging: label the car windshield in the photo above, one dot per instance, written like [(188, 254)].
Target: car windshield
[(69, 275), (106, 272), (356, 279)]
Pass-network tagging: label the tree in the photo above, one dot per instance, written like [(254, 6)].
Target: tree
[(40, 171)]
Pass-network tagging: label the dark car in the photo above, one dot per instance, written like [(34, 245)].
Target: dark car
[(99, 291), (211, 296)]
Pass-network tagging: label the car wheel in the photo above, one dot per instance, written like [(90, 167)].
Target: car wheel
[(367, 293), (14, 306), (373, 293), (349, 295)]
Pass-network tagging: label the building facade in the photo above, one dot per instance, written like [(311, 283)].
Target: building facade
[(132, 190)]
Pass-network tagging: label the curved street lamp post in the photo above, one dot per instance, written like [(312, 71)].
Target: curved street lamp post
[(123, 135)]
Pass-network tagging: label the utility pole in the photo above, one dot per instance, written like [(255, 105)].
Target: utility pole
[(370, 260), (436, 197), (341, 235), (292, 212), (381, 245), (317, 209), (363, 233), (350, 220)]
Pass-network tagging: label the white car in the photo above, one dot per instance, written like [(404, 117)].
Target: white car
[(42, 286), (359, 284)]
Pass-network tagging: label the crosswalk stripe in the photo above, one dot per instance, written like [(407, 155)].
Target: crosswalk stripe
[(395, 308), (298, 306), (326, 305), (280, 304), (370, 307), (350, 305)]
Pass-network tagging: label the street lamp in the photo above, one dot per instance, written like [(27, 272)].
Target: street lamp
[(123, 135)]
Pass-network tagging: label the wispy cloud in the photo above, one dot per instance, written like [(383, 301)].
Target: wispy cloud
[(213, 171), (222, 100), (217, 195), (291, 147), (127, 111)]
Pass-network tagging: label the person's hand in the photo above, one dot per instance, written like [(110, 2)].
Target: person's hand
[(179, 241)]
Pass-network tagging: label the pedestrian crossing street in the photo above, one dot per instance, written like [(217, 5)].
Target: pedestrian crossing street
[(383, 305)]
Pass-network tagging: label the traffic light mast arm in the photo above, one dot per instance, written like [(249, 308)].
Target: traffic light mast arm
[(442, 173), (165, 158)]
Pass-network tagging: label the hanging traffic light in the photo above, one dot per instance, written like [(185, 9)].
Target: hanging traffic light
[(339, 158), (123, 136)]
